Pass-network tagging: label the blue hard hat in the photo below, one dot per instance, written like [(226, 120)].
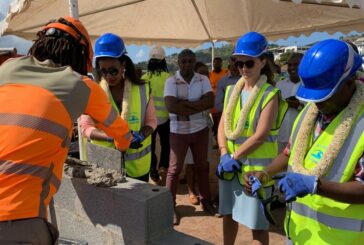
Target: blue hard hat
[(324, 68), (109, 45), (251, 44)]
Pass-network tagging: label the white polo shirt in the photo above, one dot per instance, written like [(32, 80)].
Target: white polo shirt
[(177, 87)]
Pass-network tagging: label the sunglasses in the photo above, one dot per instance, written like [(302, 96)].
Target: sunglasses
[(112, 71), (248, 64)]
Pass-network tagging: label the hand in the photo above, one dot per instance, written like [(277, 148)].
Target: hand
[(297, 185), (227, 165), (256, 185), (137, 140), (261, 176), (223, 159)]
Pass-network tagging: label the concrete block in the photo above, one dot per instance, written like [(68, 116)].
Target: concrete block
[(103, 157), (133, 212)]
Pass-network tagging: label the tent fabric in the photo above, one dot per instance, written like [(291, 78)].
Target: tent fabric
[(189, 23)]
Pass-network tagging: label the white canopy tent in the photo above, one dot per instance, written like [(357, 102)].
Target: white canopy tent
[(189, 23)]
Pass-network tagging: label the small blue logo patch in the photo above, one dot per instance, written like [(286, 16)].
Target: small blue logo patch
[(133, 118), (317, 154)]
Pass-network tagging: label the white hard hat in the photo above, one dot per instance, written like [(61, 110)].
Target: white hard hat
[(157, 53)]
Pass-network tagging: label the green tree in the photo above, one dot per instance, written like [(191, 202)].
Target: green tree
[(283, 58)]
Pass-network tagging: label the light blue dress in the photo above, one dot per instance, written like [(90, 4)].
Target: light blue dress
[(244, 209)]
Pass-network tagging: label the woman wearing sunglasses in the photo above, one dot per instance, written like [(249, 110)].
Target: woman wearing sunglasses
[(130, 97), (247, 138)]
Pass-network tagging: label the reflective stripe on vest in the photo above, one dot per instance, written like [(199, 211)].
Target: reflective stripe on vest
[(137, 161), (322, 216), (263, 155), (137, 155), (331, 221), (157, 82), (110, 118), (45, 173), (36, 123)]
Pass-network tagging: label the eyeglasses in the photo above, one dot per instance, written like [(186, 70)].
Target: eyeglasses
[(112, 71), (248, 64)]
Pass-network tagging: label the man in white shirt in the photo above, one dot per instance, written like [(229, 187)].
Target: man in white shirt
[(288, 89), (188, 98)]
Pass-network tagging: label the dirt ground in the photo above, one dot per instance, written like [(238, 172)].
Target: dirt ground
[(194, 222)]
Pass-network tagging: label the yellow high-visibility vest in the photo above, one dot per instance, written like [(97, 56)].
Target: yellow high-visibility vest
[(263, 155), (157, 83), (137, 161), (315, 219)]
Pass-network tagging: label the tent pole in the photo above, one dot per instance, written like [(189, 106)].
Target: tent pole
[(73, 8), (212, 54)]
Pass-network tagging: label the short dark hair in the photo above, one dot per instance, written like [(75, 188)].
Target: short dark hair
[(217, 58), (295, 55), (186, 52), (199, 64)]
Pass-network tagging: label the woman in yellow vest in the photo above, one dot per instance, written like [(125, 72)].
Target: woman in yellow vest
[(130, 97), (156, 77), (324, 186), (247, 138)]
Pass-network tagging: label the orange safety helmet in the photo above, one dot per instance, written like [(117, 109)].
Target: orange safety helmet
[(77, 30)]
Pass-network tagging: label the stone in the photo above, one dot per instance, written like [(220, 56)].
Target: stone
[(104, 157), (133, 212)]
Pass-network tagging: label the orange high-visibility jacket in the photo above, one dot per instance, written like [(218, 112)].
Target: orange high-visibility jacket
[(39, 103)]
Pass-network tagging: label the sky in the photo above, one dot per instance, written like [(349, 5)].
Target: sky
[(140, 53)]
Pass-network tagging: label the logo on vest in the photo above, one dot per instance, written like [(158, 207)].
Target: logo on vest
[(133, 118), (246, 126), (316, 155)]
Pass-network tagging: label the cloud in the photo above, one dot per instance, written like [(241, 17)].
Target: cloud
[(140, 54)]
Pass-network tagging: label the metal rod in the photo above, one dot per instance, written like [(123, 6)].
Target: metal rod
[(73, 8), (329, 4)]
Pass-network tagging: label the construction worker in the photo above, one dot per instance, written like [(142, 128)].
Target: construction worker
[(130, 97), (324, 186), (156, 77), (41, 95)]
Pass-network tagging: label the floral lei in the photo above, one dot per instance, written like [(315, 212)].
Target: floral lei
[(340, 135), (126, 96), (233, 135)]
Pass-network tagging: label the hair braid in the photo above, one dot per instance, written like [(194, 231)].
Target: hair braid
[(64, 51)]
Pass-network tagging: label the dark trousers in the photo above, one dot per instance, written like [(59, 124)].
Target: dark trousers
[(198, 143), (216, 118), (163, 131), (27, 231)]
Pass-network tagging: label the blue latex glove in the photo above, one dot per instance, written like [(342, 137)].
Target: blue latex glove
[(296, 185), (137, 140), (223, 159), (227, 165), (232, 166), (256, 185)]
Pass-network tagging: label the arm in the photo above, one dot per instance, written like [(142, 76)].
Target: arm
[(349, 192), (265, 123), (150, 122), (100, 109), (176, 106), (206, 102), (221, 139), (89, 130)]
